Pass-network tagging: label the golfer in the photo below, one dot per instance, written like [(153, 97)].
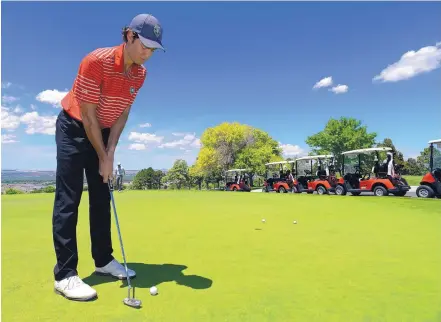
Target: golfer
[(94, 113), (119, 174)]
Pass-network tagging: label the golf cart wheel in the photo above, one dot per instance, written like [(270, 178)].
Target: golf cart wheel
[(282, 189), (321, 190), (340, 190), (425, 192), (380, 191)]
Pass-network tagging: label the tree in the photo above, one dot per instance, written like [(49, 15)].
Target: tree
[(413, 168), (399, 159), (229, 145), (144, 179), (224, 141), (157, 177), (341, 135), (263, 149), (178, 174), (196, 175)]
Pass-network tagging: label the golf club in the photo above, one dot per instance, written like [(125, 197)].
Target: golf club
[(129, 301)]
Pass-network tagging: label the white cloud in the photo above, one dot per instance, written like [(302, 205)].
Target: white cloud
[(33, 107), (6, 84), (39, 124), (137, 146), (411, 64), (188, 140), (324, 82), (51, 96), (9, 121), (8, 138), (145, 125), (145, 138), (18, 109), (340, 89), (9, 99), (292, 150)]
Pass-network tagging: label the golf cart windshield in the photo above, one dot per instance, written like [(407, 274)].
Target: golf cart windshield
[(304, 167), (364, 160), (436, 154), (234, 175), (276, 170)]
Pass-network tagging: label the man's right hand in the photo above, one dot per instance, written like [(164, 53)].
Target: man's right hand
[(106, 168)]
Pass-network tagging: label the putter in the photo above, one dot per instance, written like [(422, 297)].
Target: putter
[(129, 300)]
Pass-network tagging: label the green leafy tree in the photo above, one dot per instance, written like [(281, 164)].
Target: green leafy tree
[(235, 145), (196, 175), (398, 158), (263, 149), (144, 179), (178, 175), (157, 178), (413, 168), (339, 136)]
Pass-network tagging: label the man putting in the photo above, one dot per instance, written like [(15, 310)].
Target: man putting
[(88, 128)]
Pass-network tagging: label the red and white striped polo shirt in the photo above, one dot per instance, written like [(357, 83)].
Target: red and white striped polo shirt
[(100, 80)]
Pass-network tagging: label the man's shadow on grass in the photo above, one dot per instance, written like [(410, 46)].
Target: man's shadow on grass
[(148, 275)]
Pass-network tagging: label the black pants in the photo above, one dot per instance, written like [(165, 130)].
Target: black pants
[(119, 182), (76, 156)]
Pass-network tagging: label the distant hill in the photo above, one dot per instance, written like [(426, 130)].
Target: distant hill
[(15, 176)]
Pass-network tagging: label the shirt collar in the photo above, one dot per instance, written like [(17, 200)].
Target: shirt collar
[(119, 61)]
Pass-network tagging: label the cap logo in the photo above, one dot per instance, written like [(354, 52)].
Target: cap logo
[(157, 30)]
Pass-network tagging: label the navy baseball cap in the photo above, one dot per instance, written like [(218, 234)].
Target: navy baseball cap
[(148, 29)]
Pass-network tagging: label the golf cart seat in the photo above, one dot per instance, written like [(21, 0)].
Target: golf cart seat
[(321, 174), (437, 173), (352, 179), (271, 181), (380, 170), (303, 180)]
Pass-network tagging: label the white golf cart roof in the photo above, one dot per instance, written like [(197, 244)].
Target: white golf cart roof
[(276, 162), (313, 157), (368, 150), (435, 141), (237, 170)]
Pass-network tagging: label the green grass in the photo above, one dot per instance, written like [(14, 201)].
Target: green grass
[(413, 180), (348, 258)]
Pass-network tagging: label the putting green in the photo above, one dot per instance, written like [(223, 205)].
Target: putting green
[(212, 259)]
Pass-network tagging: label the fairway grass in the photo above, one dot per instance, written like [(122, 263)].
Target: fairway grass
[(213, 259)]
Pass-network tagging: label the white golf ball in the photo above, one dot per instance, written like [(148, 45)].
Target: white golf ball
[(295, 221), (263, 220), (153, 290)]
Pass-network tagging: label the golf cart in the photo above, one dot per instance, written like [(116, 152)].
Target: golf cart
[(430, 185), (314, 173), (363, 172), (237, 180), (276, 177)]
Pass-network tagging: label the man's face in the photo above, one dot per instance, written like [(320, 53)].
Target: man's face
[(137, 51)]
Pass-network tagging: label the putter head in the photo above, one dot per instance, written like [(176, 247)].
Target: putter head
[(132, 302)]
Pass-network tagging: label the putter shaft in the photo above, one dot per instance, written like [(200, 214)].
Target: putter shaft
[(130, 301)]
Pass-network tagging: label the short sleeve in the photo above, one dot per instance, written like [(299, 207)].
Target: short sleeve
[(87, 86)]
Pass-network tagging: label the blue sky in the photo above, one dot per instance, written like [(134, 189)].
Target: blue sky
[(255, 63)]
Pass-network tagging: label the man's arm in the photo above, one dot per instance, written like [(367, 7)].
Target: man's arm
[(93, 129), (116, 130)]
